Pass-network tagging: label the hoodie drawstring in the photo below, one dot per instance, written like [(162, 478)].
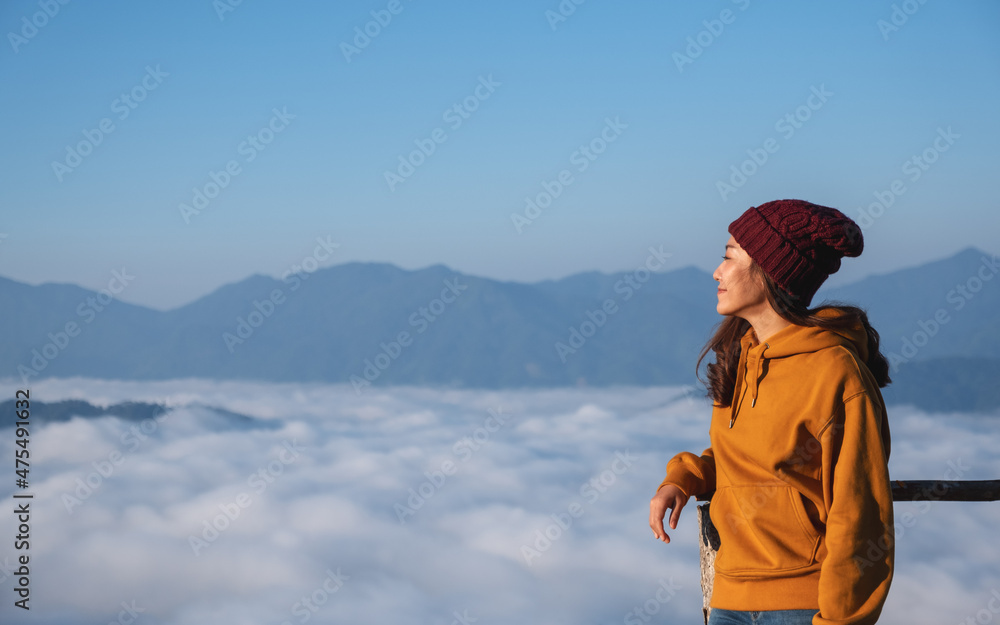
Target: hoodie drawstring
[(756, 377), (754, 385)]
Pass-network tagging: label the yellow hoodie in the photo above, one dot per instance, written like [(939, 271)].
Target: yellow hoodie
[(802, 500)]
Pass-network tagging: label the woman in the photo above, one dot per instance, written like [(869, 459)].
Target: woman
[(799, 436)]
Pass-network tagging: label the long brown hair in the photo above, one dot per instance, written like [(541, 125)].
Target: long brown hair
[(725, 342)]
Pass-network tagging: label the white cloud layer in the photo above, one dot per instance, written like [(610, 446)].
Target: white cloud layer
[(417, 505)]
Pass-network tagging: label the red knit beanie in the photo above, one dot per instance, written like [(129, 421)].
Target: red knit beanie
[(797, 243)]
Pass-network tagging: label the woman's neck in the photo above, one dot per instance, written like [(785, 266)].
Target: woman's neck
[(767, 323)]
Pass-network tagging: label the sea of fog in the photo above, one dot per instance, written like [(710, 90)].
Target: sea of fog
[(413, 505)]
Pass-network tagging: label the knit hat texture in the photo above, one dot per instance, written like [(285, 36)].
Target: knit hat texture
[(797, 243)]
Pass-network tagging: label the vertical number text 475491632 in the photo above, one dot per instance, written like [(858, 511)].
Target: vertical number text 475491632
[(22, 501)]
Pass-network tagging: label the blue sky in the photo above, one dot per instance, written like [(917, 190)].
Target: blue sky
[(213, 79)]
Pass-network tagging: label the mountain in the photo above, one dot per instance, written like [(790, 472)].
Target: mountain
[(948, 384), (374, 323), (954, 303), (143, 413), (65, 410)]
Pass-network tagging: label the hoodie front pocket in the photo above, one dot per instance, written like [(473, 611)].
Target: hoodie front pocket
[(762, 529)]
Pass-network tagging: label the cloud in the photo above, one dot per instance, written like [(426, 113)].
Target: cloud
[(295, 516)]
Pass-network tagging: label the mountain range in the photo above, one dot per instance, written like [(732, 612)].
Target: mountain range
[(370, 324)]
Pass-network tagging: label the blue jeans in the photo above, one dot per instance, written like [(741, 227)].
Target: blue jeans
[(770, 617)]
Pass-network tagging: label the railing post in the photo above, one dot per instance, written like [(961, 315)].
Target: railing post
[(708, 544)]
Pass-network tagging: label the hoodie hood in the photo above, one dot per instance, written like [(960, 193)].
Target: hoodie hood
[(788, 341), (803, 339)]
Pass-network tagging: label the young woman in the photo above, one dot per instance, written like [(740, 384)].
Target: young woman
[(796, 470)]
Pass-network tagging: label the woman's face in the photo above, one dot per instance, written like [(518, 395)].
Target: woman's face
[(739, 294)]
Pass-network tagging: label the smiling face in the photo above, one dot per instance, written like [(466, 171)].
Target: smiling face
[(740, 295)]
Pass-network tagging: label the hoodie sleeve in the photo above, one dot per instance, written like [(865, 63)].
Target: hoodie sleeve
[(694, 475), (857, 570)]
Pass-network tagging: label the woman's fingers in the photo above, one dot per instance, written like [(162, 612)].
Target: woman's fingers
[(675, 514), (668, 497), (657, 510)]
